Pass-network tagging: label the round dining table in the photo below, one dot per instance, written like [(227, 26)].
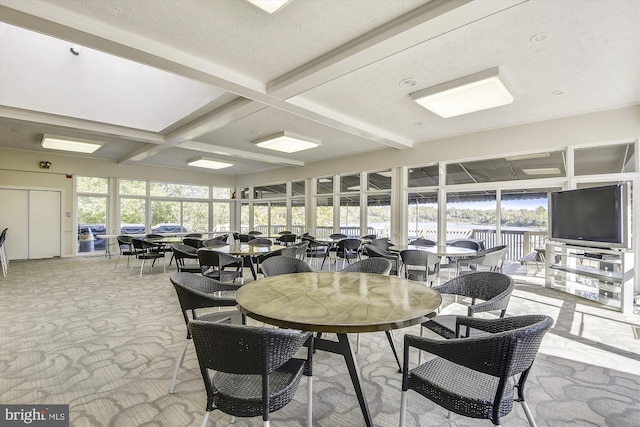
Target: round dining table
[(340, 303)]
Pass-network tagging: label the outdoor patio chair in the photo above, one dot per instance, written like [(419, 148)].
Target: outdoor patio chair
[(420, 265), (213, 265), (488, 291), (278, 265), (256, 372), (477, 377), (147, 251), (196, 293)]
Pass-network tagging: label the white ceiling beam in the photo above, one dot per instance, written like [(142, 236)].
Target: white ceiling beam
[(80, 125), (57, 22), (413, 28), (232, 152)]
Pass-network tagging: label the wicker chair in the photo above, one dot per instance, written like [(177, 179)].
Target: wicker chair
[(301, 249), (278, 265), (214, 242), (287, 239), (486, 260), (493, 289), (3, 254), (213, 264), (193, 242), (317, 250), (186, 252), (422, 242), (147, 251), (255, 371), (198, 292), (370, 265), (375, 252), (475, 377), (420, 265), (125, 245), (346, 249)]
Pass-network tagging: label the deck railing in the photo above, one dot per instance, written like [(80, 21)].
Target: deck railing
[(519, 242)]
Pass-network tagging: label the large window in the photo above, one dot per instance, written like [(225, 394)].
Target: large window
[(324, 216), (472, 214), (523, 220), (350, 215), (379, 214), (298, 216), (422, 215), (92, 201)]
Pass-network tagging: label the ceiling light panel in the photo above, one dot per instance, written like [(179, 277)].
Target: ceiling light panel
[(62, 143), (209, 163), (477, 92), (287, 142), (542, 171)]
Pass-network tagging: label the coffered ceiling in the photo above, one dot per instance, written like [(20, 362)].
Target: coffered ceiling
[(162, 82)]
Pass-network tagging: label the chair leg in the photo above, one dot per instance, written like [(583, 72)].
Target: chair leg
[(205, 419), (403, 408), (527, 412), (142, 266), (265, 423), (178, 365), (309, 401)]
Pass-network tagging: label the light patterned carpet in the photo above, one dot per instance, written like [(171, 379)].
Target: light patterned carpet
[(75, 331)]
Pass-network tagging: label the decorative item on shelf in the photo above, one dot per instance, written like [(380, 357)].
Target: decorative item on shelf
[(45, 165)]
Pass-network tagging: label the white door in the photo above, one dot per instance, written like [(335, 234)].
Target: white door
[(33, 220), (44, 224), (14, 214)]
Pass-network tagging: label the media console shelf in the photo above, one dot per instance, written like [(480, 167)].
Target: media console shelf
[(601, 275)]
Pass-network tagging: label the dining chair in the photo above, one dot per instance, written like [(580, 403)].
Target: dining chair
[(214, 242), (3, 253), (146, 251), (301, 249), (278, 265), (490, 259), (125, 246), (287, 239), (477, 377), (256, 372), (453, 263), (213, 264), (420, 265), (183, 253), (316, 250), (369, 265), (289, 251), (375, 252), (193, 242), (422, 242), (487, 291), (345, 249), (196, 293)]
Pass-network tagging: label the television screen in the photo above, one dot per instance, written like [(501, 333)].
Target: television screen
[(591, 216)]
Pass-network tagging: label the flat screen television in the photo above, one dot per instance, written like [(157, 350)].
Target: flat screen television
[(597, 217)]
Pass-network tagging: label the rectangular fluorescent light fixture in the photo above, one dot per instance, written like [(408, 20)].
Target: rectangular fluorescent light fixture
[(205, 162), (527, 157), (53, 142), (287, 142), (476, 92), (386, 174), (270, 6), (542, 171)]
